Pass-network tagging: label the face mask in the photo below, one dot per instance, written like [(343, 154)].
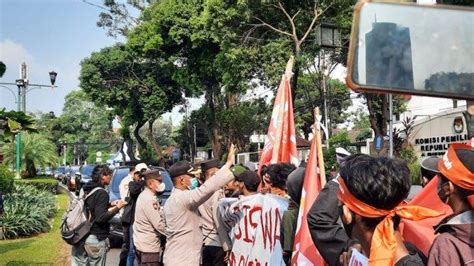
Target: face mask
[(161, 188), (194, 184)]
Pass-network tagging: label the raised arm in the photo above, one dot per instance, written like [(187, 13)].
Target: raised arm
[(222, 177)]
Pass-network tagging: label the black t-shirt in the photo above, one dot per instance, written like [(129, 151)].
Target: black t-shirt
[(415, 258), (410, 260)]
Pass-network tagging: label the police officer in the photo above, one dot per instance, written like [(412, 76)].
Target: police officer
[(213, 252), (149, 225), (184, 242)]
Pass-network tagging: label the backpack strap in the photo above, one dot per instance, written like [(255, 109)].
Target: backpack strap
[(92, 192), (87, 196)]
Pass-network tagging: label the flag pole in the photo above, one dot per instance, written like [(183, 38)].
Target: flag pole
[(317, 135)]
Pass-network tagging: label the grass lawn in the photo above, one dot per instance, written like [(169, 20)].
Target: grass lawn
[(43, 249)]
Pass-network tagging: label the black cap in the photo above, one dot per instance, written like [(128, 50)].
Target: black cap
[(249, 178), (181, 168), (153, 174), (431, 164), (212, 163)]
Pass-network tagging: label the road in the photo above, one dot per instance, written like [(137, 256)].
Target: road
[(113, 257)]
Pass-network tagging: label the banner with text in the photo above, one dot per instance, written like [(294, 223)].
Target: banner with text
[(254, 224)]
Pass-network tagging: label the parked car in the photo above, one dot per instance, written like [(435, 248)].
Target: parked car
[(60, 173), (116, 234), (48, 171), (83, 176)]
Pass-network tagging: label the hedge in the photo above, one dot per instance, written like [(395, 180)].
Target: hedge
[(47, 184), (27, 211)]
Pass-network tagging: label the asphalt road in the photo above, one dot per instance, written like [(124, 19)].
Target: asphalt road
[(113, 257)]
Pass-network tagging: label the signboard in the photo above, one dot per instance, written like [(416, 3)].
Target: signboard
[(253, 223), (432, 136), (98, 158), (437, 146)]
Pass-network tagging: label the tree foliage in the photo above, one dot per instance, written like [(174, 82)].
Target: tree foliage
[(13, 122), (36, 151)]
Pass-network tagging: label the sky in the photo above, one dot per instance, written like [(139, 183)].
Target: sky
[(47, 35)]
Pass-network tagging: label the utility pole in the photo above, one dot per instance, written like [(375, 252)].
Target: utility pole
[(390, 125), (23, 83), (195, 144)]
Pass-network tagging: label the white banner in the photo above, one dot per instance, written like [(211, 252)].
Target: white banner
[(254, 224)]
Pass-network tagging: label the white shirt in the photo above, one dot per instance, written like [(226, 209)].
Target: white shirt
[(123, 187)]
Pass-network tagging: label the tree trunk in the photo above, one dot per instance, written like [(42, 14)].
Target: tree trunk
[(296, 72), (30, 169), (124, 156), (153, 143), (136, 134), (377, 117), (130, 149), (214, 127)]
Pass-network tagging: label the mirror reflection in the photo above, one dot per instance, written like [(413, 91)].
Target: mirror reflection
[(415, 49)]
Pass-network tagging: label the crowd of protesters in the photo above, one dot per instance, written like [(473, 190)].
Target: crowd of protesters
[(360, 208)]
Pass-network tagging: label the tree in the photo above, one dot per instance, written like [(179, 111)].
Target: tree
[(312, 95), (291, 24), (118, 17), (36, 151), (207, 59), (83, 127), (362, 125), (139, 89), (13, 122)]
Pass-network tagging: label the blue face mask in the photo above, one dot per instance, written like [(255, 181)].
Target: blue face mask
[(194, 184)]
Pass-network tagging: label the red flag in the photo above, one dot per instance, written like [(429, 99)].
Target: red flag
[(280, 142), (421, 233), (304, 250)]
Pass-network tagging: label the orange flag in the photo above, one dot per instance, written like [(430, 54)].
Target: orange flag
[(421, 233), (280, 142), (304, 250)]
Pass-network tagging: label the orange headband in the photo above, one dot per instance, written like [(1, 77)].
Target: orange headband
[(454, 170), (382, 250)]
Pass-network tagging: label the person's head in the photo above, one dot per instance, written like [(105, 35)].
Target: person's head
[(232, 188), (181, 174), (101, 174), (456, 183), (380, 182), (429, 169), (131, 170), (209, 168), (341, 155), (248, 182), (154, 181), (277, 174), (295, 184), (138, 171)]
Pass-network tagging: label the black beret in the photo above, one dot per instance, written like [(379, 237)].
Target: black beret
[(181, 168), (153, 174), (212, 163)]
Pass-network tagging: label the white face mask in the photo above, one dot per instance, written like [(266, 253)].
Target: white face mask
[(161, 188)]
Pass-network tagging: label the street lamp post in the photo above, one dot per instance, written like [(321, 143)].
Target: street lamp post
[(23, 88)]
